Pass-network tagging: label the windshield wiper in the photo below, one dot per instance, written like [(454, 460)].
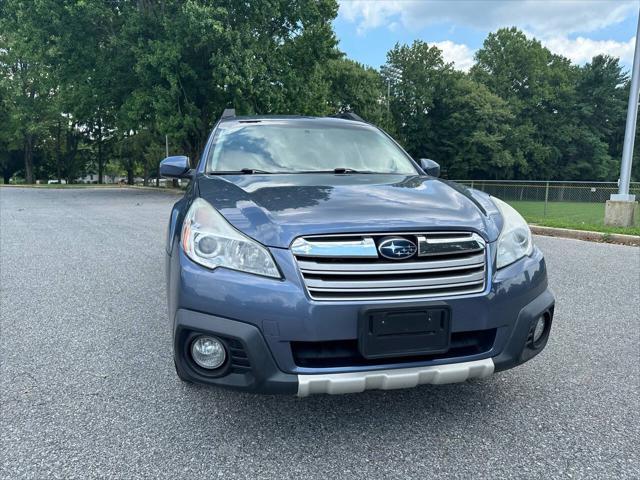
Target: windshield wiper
[(336, 170), (244, 171)]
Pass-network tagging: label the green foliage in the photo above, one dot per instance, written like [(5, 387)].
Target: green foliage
[(356, 88), (27, 75), (566, 119), (443, 114), (479, 143), (419, 78), (93, 87)]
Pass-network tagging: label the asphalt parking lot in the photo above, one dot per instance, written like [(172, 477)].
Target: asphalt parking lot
[(87, 387)]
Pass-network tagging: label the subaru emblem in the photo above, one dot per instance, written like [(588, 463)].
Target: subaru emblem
[(397, 248)]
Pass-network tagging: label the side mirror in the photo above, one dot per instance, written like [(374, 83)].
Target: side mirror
[(175, 167), (430, 167)]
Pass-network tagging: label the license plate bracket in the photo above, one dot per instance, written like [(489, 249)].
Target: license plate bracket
[(404, 331)]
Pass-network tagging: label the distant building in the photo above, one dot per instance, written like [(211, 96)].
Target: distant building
[(93, 178)]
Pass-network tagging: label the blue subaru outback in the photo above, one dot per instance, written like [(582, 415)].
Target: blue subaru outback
[(314, 255)]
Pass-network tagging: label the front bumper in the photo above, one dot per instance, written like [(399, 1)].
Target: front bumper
[(337, 383), (265, 317)]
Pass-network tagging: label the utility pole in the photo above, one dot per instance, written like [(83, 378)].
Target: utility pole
[(394, 75), (388, 93), (619, 210)]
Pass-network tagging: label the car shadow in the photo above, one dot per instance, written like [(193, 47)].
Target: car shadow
[(441, 408)]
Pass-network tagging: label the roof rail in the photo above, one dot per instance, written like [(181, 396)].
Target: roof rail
[(228, 113), (349, 116)]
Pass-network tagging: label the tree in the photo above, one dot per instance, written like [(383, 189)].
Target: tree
[(424, 78), (94, 71), (193, 59), (356, 88), (602, 106), (26, 75), (474, 128), (86, 84), (441, 113), (537, 86)]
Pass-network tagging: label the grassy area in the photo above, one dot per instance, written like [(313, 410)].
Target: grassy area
[(576, 215)]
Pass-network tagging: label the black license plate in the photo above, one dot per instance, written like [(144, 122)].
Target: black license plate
[(404, 331)]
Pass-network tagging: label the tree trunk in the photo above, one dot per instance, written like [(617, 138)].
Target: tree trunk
[(58, 154), (100, 164), (68, 158), (100, 159), (6, 177), (145, 176), (28, 158), (130, 176)]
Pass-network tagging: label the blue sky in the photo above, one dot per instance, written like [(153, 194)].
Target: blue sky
[(577, 29)]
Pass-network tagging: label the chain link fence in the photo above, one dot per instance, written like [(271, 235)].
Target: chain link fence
[(555, 203)]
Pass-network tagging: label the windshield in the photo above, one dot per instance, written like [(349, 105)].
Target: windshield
[(290, 148)]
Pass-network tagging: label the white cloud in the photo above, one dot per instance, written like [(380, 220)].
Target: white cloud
[(581, 50), (458, 53), (543, 18), (549, 21), (369, 14)]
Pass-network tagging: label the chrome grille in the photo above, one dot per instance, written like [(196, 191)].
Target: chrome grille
[(349, 267)]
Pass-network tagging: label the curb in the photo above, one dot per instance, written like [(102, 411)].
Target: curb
[(589, 236)]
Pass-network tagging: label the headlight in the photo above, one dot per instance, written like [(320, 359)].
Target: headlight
[(515, 239), (208, 239)]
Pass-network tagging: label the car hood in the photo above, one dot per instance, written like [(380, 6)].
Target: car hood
[(275, 209)]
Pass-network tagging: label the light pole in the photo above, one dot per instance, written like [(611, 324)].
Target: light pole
[(620, 208), (388, 93), (393, 74)]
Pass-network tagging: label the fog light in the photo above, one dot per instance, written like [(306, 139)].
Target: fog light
[(208, 352), (541, 326)]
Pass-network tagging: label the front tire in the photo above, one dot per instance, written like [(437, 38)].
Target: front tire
[(180, 373)]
